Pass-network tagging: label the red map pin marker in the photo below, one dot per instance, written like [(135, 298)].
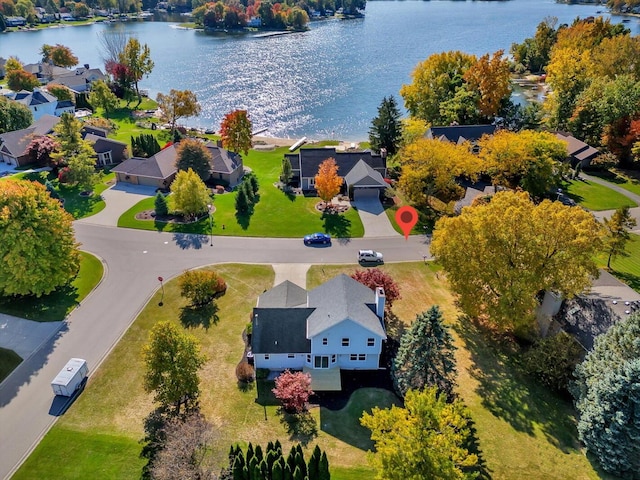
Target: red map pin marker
[(406, 218)]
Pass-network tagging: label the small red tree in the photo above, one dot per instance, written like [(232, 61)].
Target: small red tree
[(40, 149), (235, 131), (374, 277), (293, 389)]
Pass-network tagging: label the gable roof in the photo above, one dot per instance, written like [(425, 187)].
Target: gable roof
[(223, 161), (102, 144), (362, 175), (577, 148), (339, 299), (35, 98), (15, 143), (161, 165), (310, 159), (454, 133), (284, 295), (280, 330)]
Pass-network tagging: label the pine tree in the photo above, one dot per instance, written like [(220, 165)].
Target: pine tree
[(288, 474), (324, 468), (313, 467), (239, 469), (250, 453), (286, 173), (300, 463), (161, 207), (253, 181), (272, 456), (386, 129), (264, 470), (276, 472), (246, 187), (297, 474), (425, 357), (258, 453), (291, 459), (254, 468), (242, 203)]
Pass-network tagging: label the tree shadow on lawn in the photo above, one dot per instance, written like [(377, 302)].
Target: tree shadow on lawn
[(47, 308), (337, 226), (512, 396), (244, 219), (200, 316), (301, 427), (77, 205), (630, 279)]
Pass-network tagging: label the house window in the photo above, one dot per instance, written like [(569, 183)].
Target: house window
[(345, 342), (308, 358), (371, 342), (325, 341), (291, 355), (106, 158), (333, 358), (266, 356), (353, 357), (362, 357), (312, 181)]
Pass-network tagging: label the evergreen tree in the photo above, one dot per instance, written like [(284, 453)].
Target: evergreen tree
[(278, 446), (248, 191), (270, 447), (288, 474), (250, 453), (286, 173), (300, 463), (276, 472), (161, 207), (297, 474), (324, 468), (313, 467), (291, 459), (253, 181), (254, 468), (258, 453), (242, 203), (239, 469), (386, 129), (425, 357), (271, 457)]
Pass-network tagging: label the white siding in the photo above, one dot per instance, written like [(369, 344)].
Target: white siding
[(358, 338), (280, 361)]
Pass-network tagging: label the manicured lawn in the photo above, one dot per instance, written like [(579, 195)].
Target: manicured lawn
[(627, 268), (57, 305), (621, 178), (9, 360), (275, 215), (596, 197)]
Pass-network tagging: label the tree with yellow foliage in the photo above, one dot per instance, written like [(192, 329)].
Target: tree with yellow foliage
[(327, 181), (491, 79), (526, 159), (499, 256), (430, 169)]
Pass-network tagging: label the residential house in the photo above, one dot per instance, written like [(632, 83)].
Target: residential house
[(160, 170), (15, 21), (578, 151), (460, 133), (363, 171), (108, 151), (44, 72), (337, 325), (42, 103), (78, 80), (13, 145)]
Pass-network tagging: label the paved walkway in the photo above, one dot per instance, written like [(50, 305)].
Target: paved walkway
[(294, 272), (118, 199), (375, 220), (635, 212), (25, 336)]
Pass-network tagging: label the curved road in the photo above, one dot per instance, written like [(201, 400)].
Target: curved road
[(133, 261)]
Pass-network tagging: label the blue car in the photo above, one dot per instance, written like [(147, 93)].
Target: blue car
[(317, 239)]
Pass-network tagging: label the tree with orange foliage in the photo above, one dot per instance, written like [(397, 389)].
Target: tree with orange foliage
[(327, 181), (235, 131), (491, 79)]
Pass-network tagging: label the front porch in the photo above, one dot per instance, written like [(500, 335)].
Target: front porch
[(324, 379)]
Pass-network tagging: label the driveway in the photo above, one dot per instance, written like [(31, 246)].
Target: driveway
[(601, 215), (119, 198), (375, 220)]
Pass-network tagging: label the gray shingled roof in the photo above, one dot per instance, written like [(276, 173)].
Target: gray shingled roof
[(161, 165), (284, 295), (343, 298), (223, 161), (311, 158), (35, 98), (453, 133), (15, 143), (101, 144), (362, 175), (280, 330)]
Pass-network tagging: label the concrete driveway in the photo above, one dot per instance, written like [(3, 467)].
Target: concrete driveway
[(375, 220), (119, 198)]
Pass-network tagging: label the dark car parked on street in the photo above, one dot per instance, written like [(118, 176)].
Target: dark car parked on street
[(317, 239)]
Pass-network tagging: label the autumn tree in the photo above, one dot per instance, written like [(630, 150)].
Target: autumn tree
[(201, 286), (136, 58), (235, 131), (18, 80), (190, 194), (430, 168), (489, 77), (617, 233), (37, 245), (374, 277), (607, 400), (427, 438), (526, 159), (75, 152), (426, 356), (101, 96), (176, 105), (434, 81), (59, 55), (40, 149), (61, 92), (172, 359), (386, 130), (193, 154), (293, 389), (13, 115), (327, 181), (500, 255), (412, 129)]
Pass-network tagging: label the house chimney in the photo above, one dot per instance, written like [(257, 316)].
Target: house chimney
[(380, 301), (86, 65)]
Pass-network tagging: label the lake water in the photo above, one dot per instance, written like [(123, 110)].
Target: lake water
[(324, 83)]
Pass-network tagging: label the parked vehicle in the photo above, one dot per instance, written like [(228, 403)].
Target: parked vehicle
[(70, 378), (317, 239), (369, 256)]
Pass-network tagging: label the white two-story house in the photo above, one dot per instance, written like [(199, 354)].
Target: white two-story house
[(338, 325)]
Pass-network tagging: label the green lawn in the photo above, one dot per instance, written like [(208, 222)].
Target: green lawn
[(621, 178), (275, 215), (627, 268), (9, 360), (57, 305), (594, 196)]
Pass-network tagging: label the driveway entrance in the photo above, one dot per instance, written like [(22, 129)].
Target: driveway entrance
[(374, 219)]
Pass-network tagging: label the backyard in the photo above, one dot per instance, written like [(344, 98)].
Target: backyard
[(523, 431)]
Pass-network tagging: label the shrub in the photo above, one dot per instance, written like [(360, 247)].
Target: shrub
[(245, 372), (201, 286), (262, 373), (552, 360), (293, 389)]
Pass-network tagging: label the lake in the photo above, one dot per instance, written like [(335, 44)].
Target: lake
[(324, 83)]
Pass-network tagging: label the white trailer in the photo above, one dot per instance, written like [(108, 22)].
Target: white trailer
[(70, 377)]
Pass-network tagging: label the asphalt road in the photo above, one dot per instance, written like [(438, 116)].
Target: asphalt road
[(133, 261)]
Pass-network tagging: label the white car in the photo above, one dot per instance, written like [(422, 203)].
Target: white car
[(369, 256)]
